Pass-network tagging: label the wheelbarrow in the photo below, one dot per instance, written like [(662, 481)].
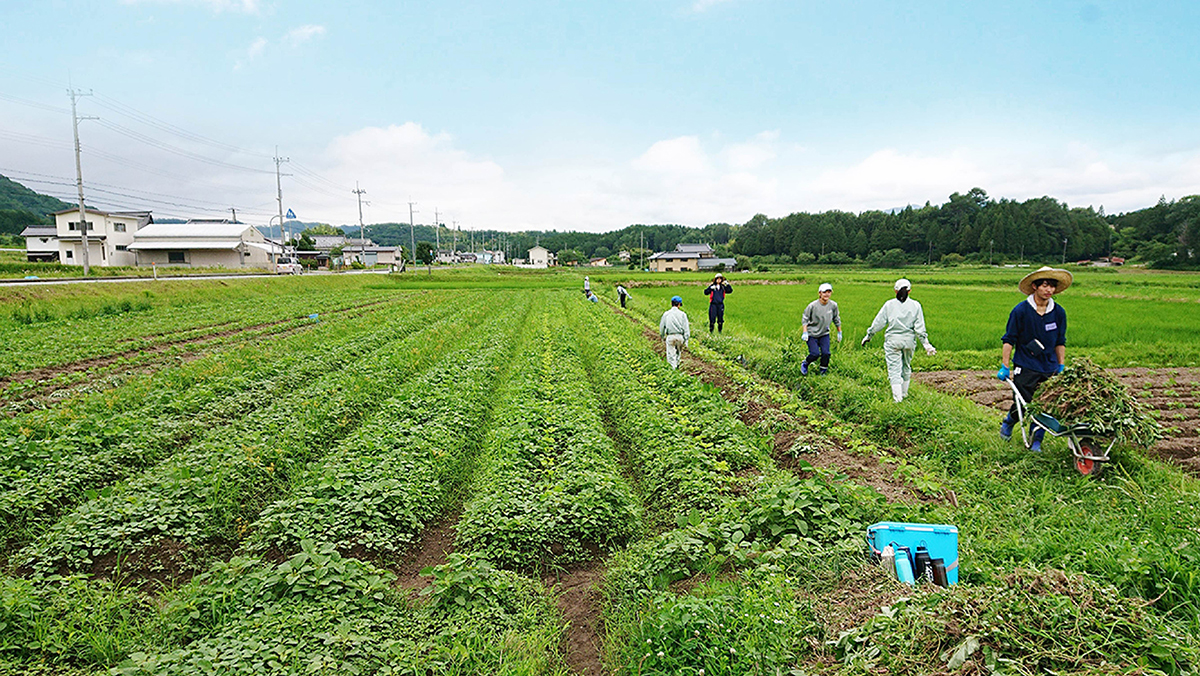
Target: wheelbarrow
[(1089, 454)]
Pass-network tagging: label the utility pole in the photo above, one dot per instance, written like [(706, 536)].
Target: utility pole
[(412, 237), (1064, 255), (79, 179), (437, 232), (361, 228), (454, 231), (279, 188), (991, 248), (234, 212)]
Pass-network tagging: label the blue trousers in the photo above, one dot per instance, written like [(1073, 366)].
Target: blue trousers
[(818, 348)]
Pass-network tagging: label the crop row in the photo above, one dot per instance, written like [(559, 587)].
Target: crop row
[(67, 340), (401, 468), (50, 459), (549, 487), (208, 494), (685, 442)]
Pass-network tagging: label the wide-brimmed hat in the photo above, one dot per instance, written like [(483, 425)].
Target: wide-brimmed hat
[(1045, 272)]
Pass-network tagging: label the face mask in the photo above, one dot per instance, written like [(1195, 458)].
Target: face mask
[(902, 295)]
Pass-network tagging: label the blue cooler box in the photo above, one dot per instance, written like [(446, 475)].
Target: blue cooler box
[(941, 540)]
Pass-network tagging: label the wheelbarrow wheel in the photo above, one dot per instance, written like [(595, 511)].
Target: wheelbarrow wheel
[(1085, 465)]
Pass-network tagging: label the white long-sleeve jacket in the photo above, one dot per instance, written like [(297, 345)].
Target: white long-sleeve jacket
[(903, 324)]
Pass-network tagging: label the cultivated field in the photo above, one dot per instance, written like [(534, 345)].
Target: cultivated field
[(479, 473)]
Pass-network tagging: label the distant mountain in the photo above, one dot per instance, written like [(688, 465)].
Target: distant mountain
[(16, 197)]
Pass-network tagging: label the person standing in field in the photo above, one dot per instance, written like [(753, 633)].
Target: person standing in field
[(675, 330), (716, 293), (819, 317), (1034, 345), (622, 294), (903, 322), (587, 286)]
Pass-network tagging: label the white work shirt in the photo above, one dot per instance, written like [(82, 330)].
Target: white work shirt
[(674, 322), (901, 323)]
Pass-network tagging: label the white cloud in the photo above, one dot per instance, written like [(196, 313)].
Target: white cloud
[(303, 34), (243, 6), (256, 48), (680, 157), (887, 179)]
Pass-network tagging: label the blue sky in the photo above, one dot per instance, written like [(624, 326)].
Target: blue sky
[(588, 115)]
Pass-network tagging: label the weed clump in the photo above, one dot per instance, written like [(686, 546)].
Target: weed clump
[(1085, 394), (1031, 622)]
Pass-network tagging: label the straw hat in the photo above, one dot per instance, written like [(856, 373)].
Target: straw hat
[(1045, 272)]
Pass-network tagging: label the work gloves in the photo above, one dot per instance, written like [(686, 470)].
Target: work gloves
[(804, 336), (1060, 369), (1003, 373), (866, 339), (930, 350), (839, 336)]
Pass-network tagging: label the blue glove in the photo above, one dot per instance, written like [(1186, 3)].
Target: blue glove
[(839, 336), (804, 336), (1003, 373), (1060, 369)]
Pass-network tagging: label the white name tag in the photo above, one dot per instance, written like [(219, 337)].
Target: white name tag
[(1051, 326)]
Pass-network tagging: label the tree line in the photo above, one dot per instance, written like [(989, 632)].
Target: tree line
[(974, 227)]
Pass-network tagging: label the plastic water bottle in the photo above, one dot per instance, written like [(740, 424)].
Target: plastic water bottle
[(888, 559), (904, 571)]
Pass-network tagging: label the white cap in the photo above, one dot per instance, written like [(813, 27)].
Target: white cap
[(902, 283), (825, 287)]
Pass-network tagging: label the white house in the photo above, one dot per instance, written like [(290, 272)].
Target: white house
[(203, 243), (110, 233), (541, 257), (41, 243)]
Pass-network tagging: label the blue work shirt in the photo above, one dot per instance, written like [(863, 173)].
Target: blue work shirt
[(1034, 337)]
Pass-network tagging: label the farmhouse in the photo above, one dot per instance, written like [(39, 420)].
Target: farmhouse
[(41, 243), (541, 257), (203, 243), (689, 257), (109, 233)]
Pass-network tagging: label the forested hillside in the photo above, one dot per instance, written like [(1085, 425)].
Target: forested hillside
[(20, 206)]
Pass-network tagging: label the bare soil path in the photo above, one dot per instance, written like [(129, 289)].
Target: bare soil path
[(1173, 392)]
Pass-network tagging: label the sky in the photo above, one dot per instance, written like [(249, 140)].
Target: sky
[(593, 115)]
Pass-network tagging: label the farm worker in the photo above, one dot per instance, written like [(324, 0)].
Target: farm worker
[(1034, 346), (622, 294), (903, 322), (674, 329), (587, 285), (819, 316), (716, 293), (592, 297)]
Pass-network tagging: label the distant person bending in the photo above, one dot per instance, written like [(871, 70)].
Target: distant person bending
[(622, 294), (675, 330), (716, 293), (903, 322), (819, 317), (1034, 346)]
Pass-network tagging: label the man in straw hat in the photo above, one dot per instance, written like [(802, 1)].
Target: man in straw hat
[(716, 293), (1034, 346), (903, 322), (675, 330)]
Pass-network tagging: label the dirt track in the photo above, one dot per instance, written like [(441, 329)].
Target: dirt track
[(1173, 392)]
